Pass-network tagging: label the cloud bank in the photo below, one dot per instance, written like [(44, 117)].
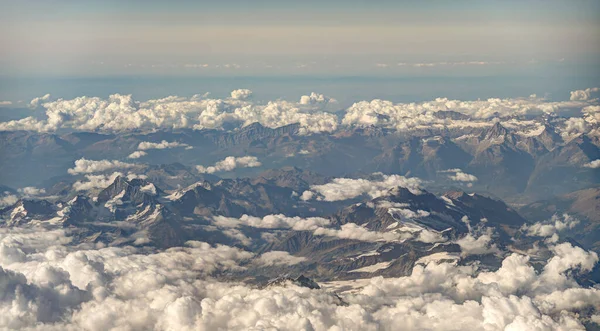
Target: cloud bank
[(46, 283), (122, 113)]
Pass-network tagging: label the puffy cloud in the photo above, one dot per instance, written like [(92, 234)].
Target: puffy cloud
[(594, 164), (31, 191), (477, 244), (48, 283), (273, 222), (121, 113), (279, 258), (37, 101), (230, 163), (5, 103), (574, 126), (355, 232), (459, 176), (315, 98), (95, 182), (84, 166), (554, 225), (348, 188), (241, 94), (405, 213), (408, 116), (8, 199), (583, 94), (428, 236), (145, 145), (137, 154)]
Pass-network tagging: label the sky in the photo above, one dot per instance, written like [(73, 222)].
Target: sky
[(92, 39)]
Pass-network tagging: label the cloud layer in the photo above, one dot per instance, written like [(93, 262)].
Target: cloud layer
[(121, 113), (49, 284)]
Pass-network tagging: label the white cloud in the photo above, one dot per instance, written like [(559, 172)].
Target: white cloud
[(31, 191), (594, 164), (460, 176), (230, 163), (49, 284), (137, 154), (273, 222), (5, 103), (84, 166), (409, 116), (477, 244), (574, 126), (279, 258), (554, 225), (8, 200), (356, 232), (579, 95), (37, 101), (315, 99), (95, 182), (241, 94), (121, 113), (348, 188), (145, 145), (428, 236)]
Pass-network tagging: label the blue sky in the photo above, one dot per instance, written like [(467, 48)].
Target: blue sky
[(554, 44), (271, 37)]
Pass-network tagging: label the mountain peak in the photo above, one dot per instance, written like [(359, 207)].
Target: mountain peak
[(496, 131)]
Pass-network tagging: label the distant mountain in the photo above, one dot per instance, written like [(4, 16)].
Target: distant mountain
[(524, 159)]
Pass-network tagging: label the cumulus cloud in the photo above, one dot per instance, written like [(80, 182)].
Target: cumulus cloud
[(48, 283), (477, 243), (574, 126), (348, 188), (279, 258), (273, 222), (230, 163), (39, 100), (31, 191), (84, 166), (594, 164), (145, 145), (583, 94), (121, 113), (241, 94), (315, 98), (409, 116), (137, 154), (458, 175), (356, 232), (8, 199), (554, 225), (95, 182)]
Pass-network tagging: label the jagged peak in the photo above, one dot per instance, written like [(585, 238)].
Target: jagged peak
[(495, 131)]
